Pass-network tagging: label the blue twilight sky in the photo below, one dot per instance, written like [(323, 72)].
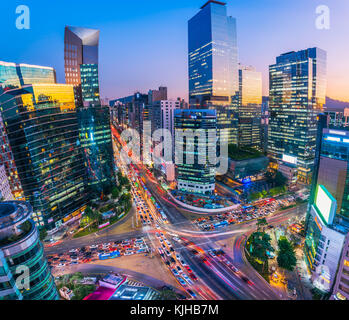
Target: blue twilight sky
[(143, 43)]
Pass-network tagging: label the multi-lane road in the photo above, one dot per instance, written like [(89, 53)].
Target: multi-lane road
[(220, 276)]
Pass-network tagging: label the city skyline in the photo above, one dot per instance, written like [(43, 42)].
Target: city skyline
[(146, 51)]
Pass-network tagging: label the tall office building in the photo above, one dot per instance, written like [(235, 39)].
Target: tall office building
[(96, 143), (81, 70), (163, 115), (80, 54), (157, 95), (195, 176), (213, 63), (328, 220), (21, 248), (5, 189), (248, 103), (297, 90), (12, 76), (42, 128)]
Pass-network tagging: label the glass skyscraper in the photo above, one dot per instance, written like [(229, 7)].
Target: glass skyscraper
[(96, 143), (42, 128), (89, 83), (14, 75), (326, 230), (297, 92), (20, 247), (81, 70), (195, 177), (248, 106), (213, 62), (80, 48)]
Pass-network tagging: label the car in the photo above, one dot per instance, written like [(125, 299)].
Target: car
[(188, 269), (181, 281), (191, 293), (179, 269), (168, 253), (178, 256), (175, 272), (61, 265), (73, 250), (186, 278), (172, 260), (171, 249), (183, 263), (247, 280), (193, 276)]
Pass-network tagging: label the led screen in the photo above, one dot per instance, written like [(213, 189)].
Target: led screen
[(324, 203)]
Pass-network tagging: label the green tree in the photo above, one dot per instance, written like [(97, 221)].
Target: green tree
[(261, 224), (286, 255), (259, 244), (115, 193), (168, 294), (43, 234)]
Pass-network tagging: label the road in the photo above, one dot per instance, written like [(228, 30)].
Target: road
[(217, 277)]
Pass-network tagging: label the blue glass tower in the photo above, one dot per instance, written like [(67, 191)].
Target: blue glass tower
[(296, 96)]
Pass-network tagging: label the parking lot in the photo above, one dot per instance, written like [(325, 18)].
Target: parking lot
[(99, 252), (259, 209)]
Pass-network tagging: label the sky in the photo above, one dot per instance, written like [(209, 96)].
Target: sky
[(143, 43)]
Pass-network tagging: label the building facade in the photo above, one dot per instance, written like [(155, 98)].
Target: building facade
[(21, 251), (213, 64), (297, 90), (42, 129), (248, 103), (157, 95), (5, 189), (193, 174), (328, 220), (80, 54), (96, 143), (14, 75)]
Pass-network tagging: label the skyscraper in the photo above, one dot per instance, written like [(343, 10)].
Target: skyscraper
[(14, 75), (193, 129), (157, 95), (248, 103), (42, 128), (80, 53), (213, 63), (297, 90), (20, 247), (81, 70), (328, 219), (96, 143)]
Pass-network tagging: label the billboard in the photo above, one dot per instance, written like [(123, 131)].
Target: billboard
[(325, 204), (289, 159)]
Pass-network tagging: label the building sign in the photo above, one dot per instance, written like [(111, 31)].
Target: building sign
[(325, 204), (289, 159)]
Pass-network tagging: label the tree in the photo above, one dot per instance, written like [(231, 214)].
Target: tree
[(286, 256), (168, 294), (43, 234), (261, 224), (259, 244), (115, 193)]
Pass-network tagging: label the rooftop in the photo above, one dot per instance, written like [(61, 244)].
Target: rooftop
[(213, 1)]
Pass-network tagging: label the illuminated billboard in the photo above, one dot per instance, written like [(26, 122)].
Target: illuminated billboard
[(289, 159), (325, 204)]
